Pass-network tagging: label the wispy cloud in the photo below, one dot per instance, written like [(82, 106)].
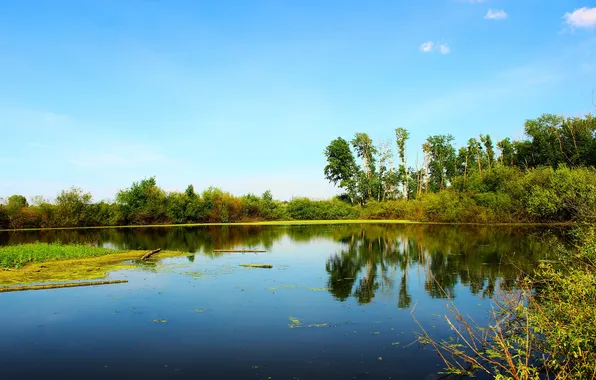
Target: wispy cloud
[(430, 46), (581, 18), (427, 47), (496, 14)]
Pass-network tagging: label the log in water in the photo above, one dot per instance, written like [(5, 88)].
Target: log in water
[(238, 250), (257, 265), (149, 254), (56, 286)]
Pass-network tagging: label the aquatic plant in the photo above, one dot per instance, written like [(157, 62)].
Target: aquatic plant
[(15, 256)]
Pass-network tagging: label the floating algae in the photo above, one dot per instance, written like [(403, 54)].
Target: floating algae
[(319, 325), (268, 266), (318, 289), (160, 320), (295, 322), (75, 269), (194, 275)]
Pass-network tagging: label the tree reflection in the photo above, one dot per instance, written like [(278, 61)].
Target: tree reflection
[(371, 258)]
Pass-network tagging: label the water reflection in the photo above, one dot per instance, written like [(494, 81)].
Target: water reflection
[(369, 258)]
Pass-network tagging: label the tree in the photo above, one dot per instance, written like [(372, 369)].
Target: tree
[(341, 169), (366, 151), (507, 152), (16, 202), (489, 149), (442, 161), (190, 192), (144, 202), (401, 137), (386, 178), (546, 142), (475, 153), (72, 208)]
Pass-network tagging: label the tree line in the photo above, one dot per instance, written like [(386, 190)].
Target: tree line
[(548, 177), (552, 142)]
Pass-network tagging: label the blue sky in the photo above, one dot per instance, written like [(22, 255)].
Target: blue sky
[(245, 95)]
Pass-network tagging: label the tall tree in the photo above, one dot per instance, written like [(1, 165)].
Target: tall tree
[(462, 163), (507, 152), (489, 149), (387, 180), (475, 153), (401, 137), (442, 161), (366, 151), (341, 168)]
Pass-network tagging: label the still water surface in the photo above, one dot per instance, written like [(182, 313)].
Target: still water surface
[(336, 305)]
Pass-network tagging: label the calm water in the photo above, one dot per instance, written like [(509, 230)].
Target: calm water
[(336, 305)]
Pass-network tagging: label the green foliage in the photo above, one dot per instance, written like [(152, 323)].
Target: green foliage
[(563, 311), (341, 167), (143, 202), (16, 202), (441, 160), (544, 329), (72, 208), (15, 256), (307, 209)]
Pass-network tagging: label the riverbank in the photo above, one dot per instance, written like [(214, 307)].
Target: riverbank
[(298, 223)]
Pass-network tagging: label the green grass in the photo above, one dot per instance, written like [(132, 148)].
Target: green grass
[(15, 256)]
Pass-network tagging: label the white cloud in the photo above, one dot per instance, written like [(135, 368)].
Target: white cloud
[(581, 18), (495, 14), (427, 47), (430, 46)]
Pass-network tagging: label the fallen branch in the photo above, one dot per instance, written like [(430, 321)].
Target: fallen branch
[(238, 250), (257, 265), (149, 254), (55, 286)]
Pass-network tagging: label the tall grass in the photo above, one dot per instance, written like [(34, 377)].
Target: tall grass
[(15, 256)]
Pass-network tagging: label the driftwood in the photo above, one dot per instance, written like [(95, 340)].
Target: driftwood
[(257, 265), (149, 254), (55, 286), (238, 250)]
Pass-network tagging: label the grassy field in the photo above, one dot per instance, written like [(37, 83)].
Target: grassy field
[(15, 256)]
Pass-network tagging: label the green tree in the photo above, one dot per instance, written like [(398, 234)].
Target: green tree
[(341, 168), (16, 202), (441, 161), (489, 149), (143, 203), (72, 208), (366, 151), (190, 192), (507, 152)]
